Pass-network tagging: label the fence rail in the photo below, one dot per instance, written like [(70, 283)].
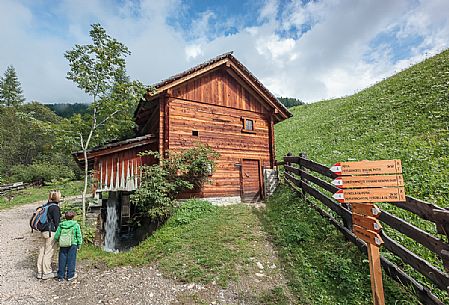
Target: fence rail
[(12, 187), (299, 176)]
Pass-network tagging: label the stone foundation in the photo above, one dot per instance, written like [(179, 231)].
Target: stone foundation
[(223, 200)]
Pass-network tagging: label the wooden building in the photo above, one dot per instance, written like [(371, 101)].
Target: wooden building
[(218, 103)]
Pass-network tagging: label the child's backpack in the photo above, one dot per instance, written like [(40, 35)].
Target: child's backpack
[(40, 220), (65, 239)]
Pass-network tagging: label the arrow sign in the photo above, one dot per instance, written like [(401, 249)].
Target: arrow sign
[(366, 222), (368, 236), (368, 181), (366, 209), (390, 194), (367, 167)]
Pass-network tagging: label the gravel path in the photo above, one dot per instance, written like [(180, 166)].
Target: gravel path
[(99, 285)]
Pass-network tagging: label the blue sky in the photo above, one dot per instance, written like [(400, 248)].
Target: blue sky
[(311, 50)]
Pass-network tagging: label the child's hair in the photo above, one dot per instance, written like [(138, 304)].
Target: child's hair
[(54, 196), (69, 215)]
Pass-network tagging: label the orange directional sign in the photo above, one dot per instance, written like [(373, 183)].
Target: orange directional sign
[(387, 194), (366, 209), (368, 236), (367, 167), (367, 222), (345, 182)]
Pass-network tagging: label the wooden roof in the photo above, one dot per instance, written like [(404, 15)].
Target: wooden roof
[(239, 70), (113, 147)]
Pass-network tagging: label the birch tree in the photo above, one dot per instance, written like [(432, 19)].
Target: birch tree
[(99, 70)]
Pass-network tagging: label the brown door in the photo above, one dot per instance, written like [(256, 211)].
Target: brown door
[(251, 185)]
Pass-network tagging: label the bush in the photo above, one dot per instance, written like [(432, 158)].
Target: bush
[(40, 172), (162, 182)]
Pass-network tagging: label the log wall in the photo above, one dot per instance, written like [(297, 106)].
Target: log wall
[(210, 110)]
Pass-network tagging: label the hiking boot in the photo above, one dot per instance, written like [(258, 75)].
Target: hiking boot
[(47, 276), (73, 277), (39, 276), (59, 279)]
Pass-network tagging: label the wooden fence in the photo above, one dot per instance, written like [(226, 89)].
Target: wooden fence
[(12, 187), (300, 175)]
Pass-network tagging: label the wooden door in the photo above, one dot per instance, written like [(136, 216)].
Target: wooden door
[(251, 183)]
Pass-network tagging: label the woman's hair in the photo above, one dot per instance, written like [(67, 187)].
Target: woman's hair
[(69, 215), (54, 196)]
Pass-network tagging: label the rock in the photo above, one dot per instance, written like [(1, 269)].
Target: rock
[(260, 274), (259, 265)]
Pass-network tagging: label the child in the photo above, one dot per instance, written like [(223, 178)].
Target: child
[(70, 239)]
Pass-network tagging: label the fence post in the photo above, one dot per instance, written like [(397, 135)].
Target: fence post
[(303, 155), (289, 154)]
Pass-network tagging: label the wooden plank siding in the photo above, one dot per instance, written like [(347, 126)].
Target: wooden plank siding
[(214, 105), (120, 171)]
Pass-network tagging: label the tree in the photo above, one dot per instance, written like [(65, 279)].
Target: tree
[(290, 101), (11, 93), (99, 70)]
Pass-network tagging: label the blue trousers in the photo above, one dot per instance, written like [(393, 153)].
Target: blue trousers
[(67, 260)]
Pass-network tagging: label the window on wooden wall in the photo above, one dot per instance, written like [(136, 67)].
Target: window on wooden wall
[(248, 125)]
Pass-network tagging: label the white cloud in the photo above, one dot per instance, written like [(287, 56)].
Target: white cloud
[(334, 57), (193, 51)]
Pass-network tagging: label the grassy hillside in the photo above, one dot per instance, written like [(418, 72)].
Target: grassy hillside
[(403, 117)]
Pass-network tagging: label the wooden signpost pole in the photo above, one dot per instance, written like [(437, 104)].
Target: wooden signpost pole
[(375, 270)]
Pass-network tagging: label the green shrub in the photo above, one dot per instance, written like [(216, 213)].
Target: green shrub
[(41, 172), (162, 182)]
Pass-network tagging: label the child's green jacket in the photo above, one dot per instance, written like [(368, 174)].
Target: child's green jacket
[(77, 237)]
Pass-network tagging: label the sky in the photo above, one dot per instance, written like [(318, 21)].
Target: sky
[(310, 50)]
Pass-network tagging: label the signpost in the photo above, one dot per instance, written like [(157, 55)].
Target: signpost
[(345, 182), (367, 167), (391, 194), (361, 184)]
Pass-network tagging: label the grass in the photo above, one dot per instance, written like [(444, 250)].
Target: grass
[(200, 243), (320, 265), (34, 194)]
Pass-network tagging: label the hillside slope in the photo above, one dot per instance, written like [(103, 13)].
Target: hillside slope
[(403, 117)]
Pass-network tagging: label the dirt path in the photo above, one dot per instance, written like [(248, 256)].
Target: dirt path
[(99, 285)]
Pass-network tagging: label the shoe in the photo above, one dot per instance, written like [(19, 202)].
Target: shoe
[(39, 276), (47, 276), (73, 277), (59, 279)]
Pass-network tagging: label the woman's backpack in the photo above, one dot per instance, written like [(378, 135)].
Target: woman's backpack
[(40, 220)]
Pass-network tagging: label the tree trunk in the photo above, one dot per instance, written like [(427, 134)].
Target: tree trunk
[(86, 175)]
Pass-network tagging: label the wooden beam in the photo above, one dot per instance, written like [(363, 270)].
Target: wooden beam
[(375, 271), (316, 167), (439, 278), (432, 243)]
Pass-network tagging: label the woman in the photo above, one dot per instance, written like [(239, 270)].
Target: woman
[(48, 244)]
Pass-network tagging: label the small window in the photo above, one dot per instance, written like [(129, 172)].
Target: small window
[(248, 125), (195, 133)]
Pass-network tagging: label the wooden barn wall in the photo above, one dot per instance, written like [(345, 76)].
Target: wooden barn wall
[(219, 88), (120, 170), (221, 128)]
